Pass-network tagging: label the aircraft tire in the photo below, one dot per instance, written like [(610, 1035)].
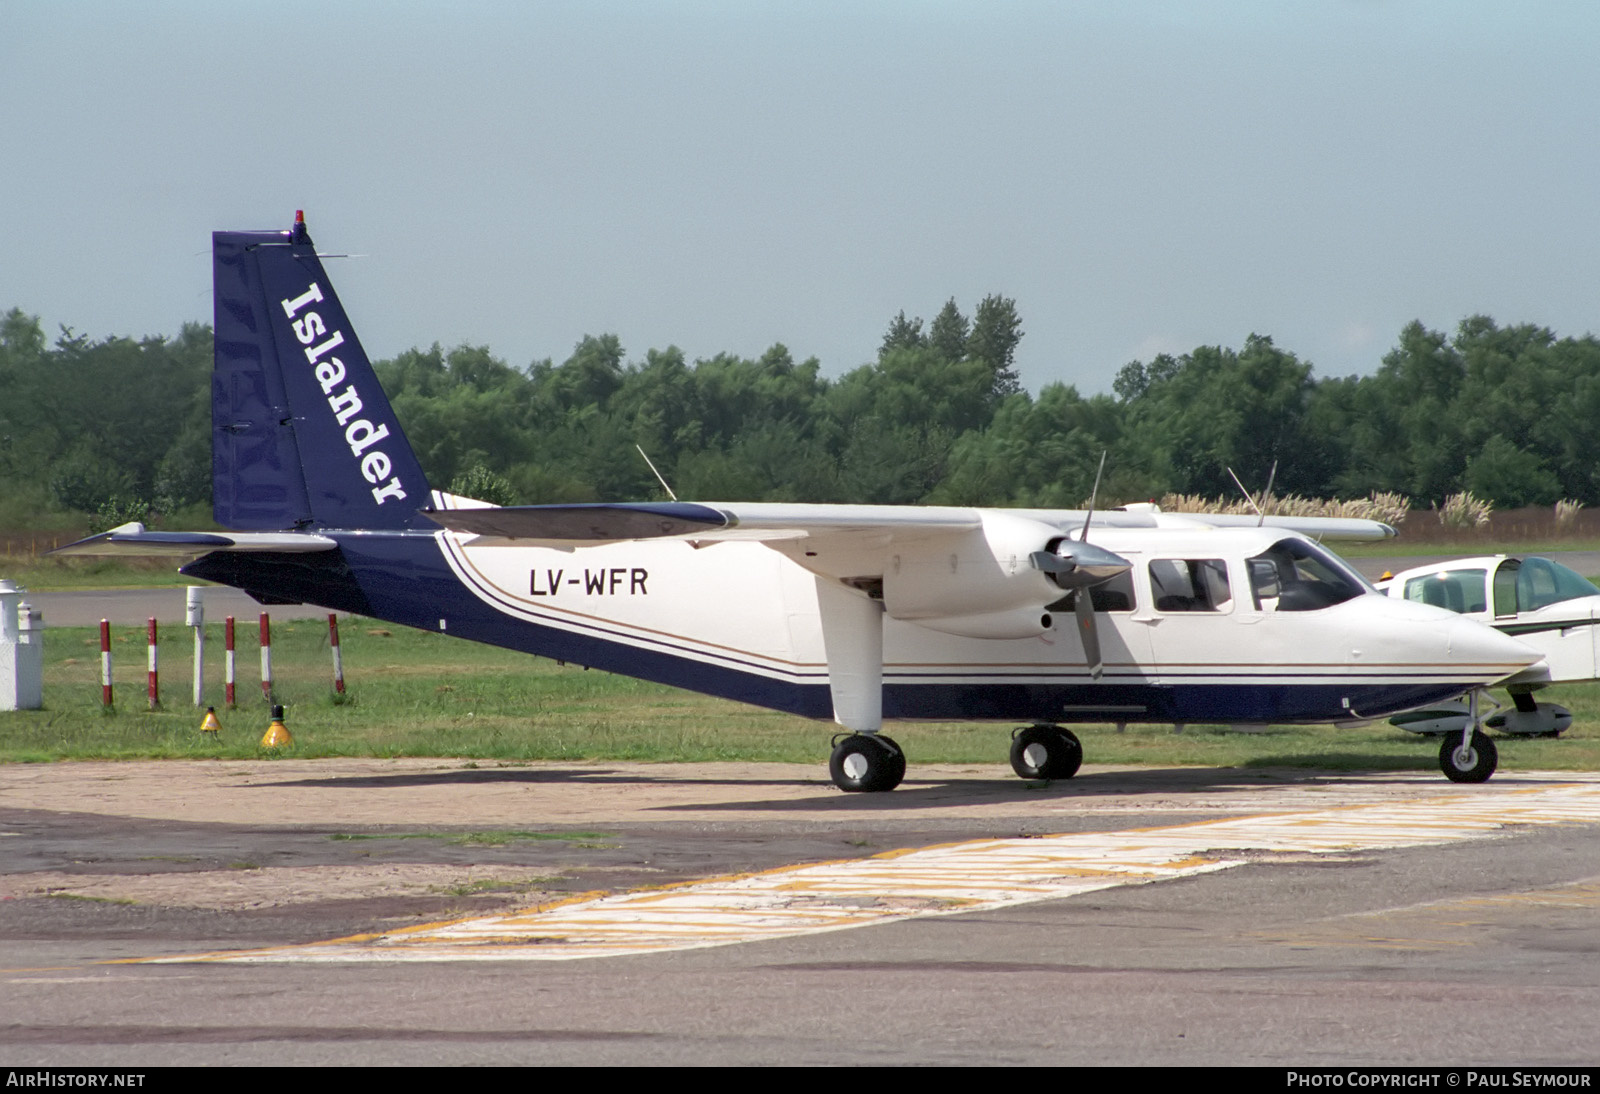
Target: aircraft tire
[(867, 763), (1046, 752), (1476, 765)]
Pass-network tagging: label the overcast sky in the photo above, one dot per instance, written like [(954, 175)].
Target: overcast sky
[(1139, 176)]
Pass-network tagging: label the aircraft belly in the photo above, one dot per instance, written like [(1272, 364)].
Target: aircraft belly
[(1252, 669)]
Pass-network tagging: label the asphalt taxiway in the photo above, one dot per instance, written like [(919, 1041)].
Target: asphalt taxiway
[(409, 912)]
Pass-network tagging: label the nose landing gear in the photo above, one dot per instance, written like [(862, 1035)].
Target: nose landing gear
[(1470, 757)]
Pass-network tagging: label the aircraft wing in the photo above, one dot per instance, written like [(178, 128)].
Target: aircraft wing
[(712, 522), (591, 524), (133, 539), (1340, 529)]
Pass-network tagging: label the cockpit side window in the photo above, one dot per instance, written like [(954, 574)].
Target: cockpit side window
[(1190, 585), (1295, 575), (1454, 590)]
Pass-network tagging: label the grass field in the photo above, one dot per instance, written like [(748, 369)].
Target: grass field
[(43, 574), (412, 693)]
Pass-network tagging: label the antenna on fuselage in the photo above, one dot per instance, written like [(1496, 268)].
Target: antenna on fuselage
[(1265, 494), (657, 474), (1094, 496)]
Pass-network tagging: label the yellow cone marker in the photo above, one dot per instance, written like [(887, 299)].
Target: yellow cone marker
[(211, 725), (277, 735)]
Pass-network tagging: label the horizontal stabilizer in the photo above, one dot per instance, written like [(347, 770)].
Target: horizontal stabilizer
[(133, 539)]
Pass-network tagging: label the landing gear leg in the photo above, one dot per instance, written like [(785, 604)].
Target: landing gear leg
[(852, 634), (866, 762), (1471, 757), (1045, 752)]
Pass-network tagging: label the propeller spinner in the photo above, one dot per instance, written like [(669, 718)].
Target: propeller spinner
[(1078, 567)]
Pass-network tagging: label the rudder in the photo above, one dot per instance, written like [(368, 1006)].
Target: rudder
[(302, 433)]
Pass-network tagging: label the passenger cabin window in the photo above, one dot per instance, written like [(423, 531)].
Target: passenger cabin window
[(1190, 585), (1455, 590), (1115, 595), (1295, 575)]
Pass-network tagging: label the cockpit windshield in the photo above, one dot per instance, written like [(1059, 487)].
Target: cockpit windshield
[(1295, 575)]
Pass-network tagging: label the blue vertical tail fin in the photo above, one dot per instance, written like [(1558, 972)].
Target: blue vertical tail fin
[(302, 433)]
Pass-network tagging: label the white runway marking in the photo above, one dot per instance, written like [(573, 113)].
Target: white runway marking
[(963, 877)]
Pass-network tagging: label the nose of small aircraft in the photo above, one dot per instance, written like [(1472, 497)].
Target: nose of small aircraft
[(1473, 643), (1422, 633)]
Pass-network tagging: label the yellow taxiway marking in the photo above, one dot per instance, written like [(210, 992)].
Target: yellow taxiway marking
[(939, 880)]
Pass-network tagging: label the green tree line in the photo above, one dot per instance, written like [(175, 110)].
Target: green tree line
[(119, 429)]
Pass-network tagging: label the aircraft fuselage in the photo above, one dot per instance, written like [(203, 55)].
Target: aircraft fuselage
[(742, 621)]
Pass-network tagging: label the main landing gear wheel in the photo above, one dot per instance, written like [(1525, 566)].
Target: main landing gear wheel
[(1472, 764), (867, 762), (1045, 752)]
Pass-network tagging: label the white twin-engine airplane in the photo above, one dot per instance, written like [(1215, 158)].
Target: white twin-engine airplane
[(850, 612)]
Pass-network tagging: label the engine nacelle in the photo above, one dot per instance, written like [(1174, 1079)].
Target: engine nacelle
[(980, 584)]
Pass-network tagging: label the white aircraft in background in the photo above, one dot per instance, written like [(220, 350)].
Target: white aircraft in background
[(1539, 602), (849, 612)]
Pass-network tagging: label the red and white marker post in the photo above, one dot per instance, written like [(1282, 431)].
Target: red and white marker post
[(155, 679), (105, 662), (338, 659), (266, 657), (229, 662), (194, 615)]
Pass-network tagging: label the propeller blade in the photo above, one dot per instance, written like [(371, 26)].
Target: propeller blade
[(1088, 631)]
